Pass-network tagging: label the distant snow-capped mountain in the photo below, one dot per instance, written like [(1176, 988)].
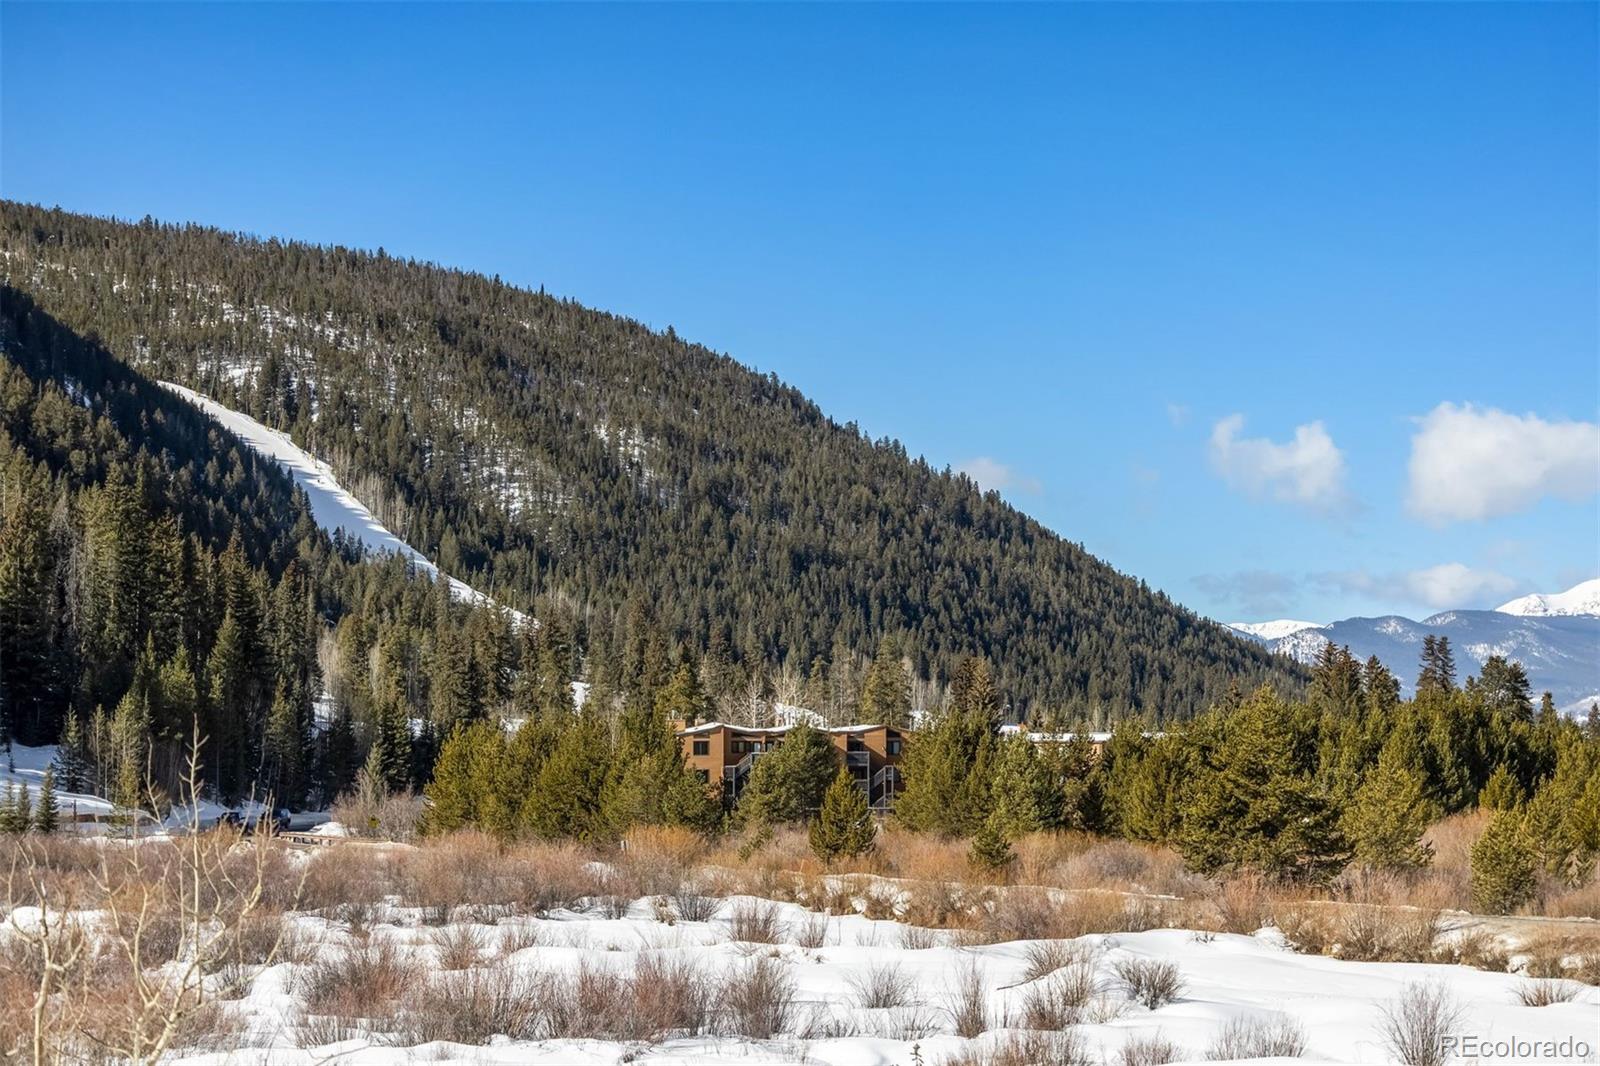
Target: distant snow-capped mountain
[(1580, 599), (1559, 646), (1278, 627)]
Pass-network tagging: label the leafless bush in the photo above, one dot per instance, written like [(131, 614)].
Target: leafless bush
[(1243, 904), (1542, 993), (1062, 999), (1065, 1048), (469, 1007), (967, 1002), (910, 1023), (1024, 914), (1048, 956), (517, 936), (879, 904), (812, 931), (371, 811), (1154, 1050), (1280, 1037), (668, 997), (1152, 982), (1481, 950), (758, 1001), (755, 922), (458, 946), (1415, 1026), (879, 987), (916, 938), (356, 981), (320, 1030), (694, 905)]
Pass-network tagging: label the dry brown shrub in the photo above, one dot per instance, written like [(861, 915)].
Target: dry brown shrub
[(470, 1007), (1543, 993), (1066, 1048), (758, 1001), (1560, 901), (811, 931), (1241, 904), (1062, 999), (660, 856), (1571, 955), (1281, 1037), (1307, 927), (967, 1001), (358, 982), (1152, 982), (1153, 1050), (878, 987), (1479, 949), (459, 946), (755, 921), (1047, 956)]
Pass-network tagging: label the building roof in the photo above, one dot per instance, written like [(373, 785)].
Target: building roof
[(767, 730)]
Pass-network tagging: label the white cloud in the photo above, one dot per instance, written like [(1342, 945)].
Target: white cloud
[(1457, 585), (1308, 471), (991, 474), (1472, 463), (1443, 586)]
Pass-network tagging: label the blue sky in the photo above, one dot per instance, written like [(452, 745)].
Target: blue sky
[(1191, 284)]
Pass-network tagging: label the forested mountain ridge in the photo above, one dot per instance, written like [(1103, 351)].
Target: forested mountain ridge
[(568, 459)]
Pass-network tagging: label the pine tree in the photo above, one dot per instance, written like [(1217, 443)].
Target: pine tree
[(1254, 806), (991, 849), (1502, 792), (1503, 875), (452, 795), (1150, 806), (681, 699), (886, 699), (47, 814), (843, 827), (567, 798), (130, 727), (1390, 813), (391, 753), (72, 762), (10, 821), (285, 748), (787, 785)]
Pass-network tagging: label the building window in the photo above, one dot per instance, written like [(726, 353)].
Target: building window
[(854, 744), (894, 747), (702, 747), (704, 776), (741, 746)]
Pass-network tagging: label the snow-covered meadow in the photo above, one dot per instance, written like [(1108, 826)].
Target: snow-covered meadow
[(841, 989), (461, 951)]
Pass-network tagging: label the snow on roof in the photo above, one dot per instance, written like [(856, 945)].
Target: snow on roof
[(767, 730)]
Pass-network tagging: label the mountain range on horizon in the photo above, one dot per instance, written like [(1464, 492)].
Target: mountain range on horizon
[(1556, 637)]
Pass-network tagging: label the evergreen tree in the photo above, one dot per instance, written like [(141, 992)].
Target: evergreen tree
[(285, 748), (390, 755), (10, 813), (1438, 673), (47, 813), (72, 761), (1150, 806), (681, 699), (1390, 813), (1023, 798), (886, 699), (787, 784), (455, 795), (843, 827), (1254, 805), (567, 798), (991, 847), (1502, 792), (1503, 875), (131, 729)]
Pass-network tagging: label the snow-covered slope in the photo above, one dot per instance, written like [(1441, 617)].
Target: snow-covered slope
[(1581, 599), (331, 505), (1278, 627)]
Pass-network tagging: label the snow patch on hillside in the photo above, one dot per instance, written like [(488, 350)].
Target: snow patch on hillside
[(332, 505), (26, 768), (1582, 598)]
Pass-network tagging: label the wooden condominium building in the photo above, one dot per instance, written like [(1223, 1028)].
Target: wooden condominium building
[(727, 753)]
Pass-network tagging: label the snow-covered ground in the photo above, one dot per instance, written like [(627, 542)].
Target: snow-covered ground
[(27, 766), (332, 505), (1339, 1005)]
